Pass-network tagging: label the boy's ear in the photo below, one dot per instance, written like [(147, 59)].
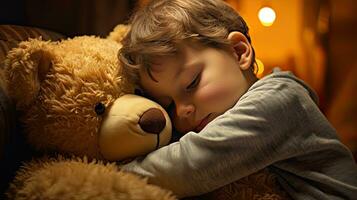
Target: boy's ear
[(242, 49), (25, 67)]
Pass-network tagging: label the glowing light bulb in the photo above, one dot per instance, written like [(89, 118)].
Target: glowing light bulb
[(266, 16)]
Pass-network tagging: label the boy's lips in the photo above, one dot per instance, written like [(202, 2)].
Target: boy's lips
[(203, 123)]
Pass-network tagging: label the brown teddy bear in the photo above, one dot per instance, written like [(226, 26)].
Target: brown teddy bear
[(74, 101)]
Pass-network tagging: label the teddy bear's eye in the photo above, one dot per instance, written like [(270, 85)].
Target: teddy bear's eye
[(99, 108)]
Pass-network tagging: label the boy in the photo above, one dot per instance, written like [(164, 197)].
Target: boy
[(196, 59)]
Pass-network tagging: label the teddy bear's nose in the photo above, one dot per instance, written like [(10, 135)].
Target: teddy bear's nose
[(152, 121)]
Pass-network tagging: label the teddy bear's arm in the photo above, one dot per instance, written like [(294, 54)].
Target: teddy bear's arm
[(79, 179)]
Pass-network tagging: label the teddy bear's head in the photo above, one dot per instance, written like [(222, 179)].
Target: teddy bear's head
[(73, 99)]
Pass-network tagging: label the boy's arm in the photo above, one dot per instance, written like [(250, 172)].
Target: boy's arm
[(230, 148), (259, 130)]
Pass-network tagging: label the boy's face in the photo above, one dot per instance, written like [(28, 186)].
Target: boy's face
[(196, 85)]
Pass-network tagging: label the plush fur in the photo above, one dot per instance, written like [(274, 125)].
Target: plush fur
[(58, 86), (52, 179), (74, 101)]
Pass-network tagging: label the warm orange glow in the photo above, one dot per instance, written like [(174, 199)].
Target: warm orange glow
[(280, 44), (266, 16), (260, 66)]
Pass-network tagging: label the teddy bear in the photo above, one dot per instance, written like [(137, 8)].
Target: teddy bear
[(81, 112), (73, 101)]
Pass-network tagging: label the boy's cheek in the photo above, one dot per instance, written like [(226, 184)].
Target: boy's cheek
[(212, 93)]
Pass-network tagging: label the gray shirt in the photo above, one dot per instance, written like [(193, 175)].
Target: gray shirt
[(275, 124)]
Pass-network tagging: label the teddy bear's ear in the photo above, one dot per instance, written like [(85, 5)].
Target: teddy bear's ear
[(118, 32), (25, 68)]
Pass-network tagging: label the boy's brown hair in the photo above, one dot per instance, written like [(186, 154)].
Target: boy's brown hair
[(158, 28)]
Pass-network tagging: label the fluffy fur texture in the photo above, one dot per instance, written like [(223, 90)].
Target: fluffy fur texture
[(54, 179), (118, 33), (57, 87)]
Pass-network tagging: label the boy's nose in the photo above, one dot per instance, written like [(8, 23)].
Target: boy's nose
[(185, 110)]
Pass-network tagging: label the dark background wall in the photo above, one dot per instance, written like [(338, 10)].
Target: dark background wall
[(69, 17)]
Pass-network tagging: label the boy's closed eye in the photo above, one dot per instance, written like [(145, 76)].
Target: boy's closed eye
[(191, 86), (194, 83)]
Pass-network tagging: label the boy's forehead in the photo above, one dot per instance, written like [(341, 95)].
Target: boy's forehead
[(185, 52), (168, 67), (159, 63), (159, 70), (165, 71)]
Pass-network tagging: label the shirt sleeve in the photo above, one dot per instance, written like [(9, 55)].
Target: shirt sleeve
[(258, 131)]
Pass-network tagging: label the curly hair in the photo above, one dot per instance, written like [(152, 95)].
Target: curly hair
[(158, 28)]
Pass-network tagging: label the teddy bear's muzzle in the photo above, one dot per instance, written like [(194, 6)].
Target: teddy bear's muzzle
[(152, 121), (133, 126)]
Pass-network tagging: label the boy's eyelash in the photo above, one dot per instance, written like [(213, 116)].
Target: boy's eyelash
[(194, 83)]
